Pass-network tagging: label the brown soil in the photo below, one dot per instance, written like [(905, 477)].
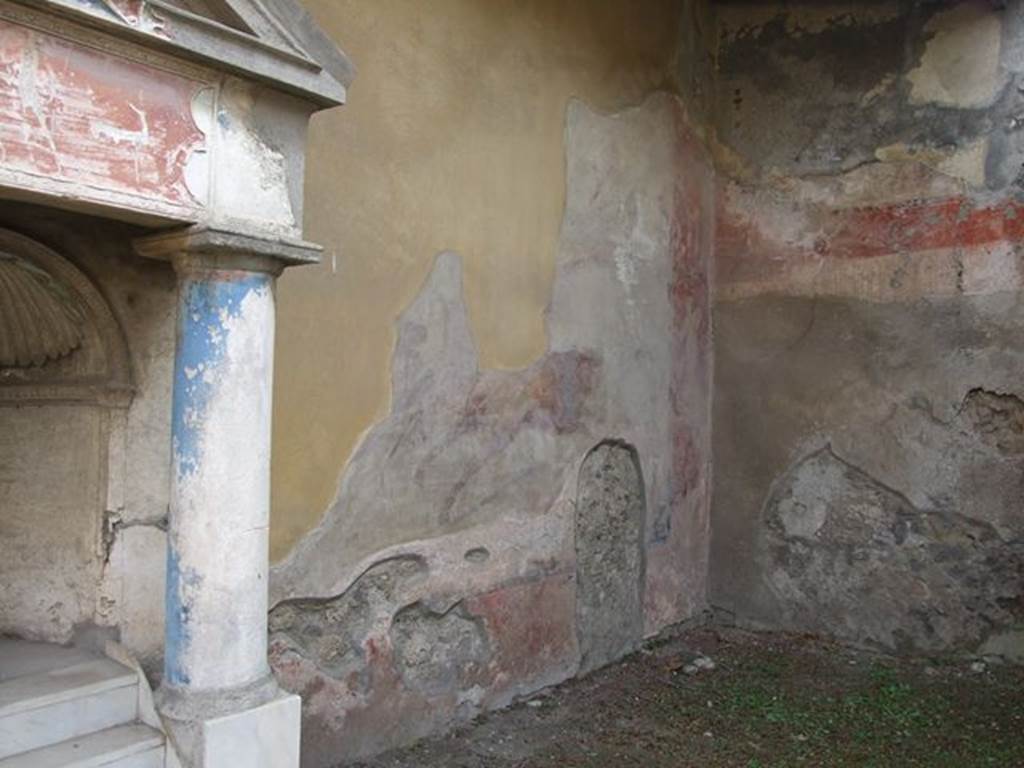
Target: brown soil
[(770, 700)]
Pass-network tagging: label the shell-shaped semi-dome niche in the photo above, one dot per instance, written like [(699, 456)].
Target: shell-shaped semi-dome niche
[(58, 338), (39, 319)]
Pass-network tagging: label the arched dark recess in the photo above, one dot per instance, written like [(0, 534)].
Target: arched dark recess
[(59, 341), (611, 509)]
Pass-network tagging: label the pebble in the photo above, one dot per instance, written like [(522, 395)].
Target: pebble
[(978, 667), (699, 664), (703, 662)]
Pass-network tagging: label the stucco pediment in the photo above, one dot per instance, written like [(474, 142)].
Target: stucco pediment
[(275, 41)]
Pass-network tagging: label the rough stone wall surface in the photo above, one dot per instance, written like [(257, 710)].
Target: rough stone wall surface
[(868, 478), (50, 493), (83, 487), (478, 471), (844, 85), (610, 513)]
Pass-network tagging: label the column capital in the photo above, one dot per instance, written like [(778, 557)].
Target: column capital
[(204, 247)]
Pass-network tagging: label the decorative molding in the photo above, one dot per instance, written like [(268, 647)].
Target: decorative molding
[(210, 246), (275, 42), (98, 37), (107, 65), (59, 340)]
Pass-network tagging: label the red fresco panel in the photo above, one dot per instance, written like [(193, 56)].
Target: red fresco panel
[(70, 113), (744, 252)]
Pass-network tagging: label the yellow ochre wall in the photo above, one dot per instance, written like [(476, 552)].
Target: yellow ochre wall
[(452, 140)]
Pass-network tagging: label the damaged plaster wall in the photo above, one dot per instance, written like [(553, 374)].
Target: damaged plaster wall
[(83, 486), (488, 591), (868, 474), (543, 290), (453, 138)]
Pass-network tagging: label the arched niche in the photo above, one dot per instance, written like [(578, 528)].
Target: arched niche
[(59, 341)]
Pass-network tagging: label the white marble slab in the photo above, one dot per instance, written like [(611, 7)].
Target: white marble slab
[(264, 737)]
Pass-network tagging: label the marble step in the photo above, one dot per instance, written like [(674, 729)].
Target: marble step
[(20, 657), (42, 709), (127, 746)]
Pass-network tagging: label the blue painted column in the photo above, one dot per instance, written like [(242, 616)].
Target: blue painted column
[(217, 558), (217, 682)]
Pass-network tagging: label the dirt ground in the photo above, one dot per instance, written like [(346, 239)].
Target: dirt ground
[(731, 698)]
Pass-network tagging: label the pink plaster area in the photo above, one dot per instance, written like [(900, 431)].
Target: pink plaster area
[(69, 113), (677, 563), (532, 631)]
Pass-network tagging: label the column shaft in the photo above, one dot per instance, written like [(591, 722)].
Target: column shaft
[(217, 561)]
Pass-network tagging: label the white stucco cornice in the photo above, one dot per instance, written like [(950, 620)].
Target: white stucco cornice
[(245, 250), (273, 41)]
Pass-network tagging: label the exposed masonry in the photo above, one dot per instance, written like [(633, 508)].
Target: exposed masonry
[(114, 524), (849, 555), (438, 652), (998, 418), (610, 513), (332, 632)]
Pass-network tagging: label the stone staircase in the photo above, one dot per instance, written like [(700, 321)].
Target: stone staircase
[(67, 708)]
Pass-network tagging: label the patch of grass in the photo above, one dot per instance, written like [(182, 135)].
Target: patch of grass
[(883, 716)]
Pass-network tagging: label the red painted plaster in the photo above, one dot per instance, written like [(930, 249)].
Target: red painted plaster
[(76, 114), (747, 251)]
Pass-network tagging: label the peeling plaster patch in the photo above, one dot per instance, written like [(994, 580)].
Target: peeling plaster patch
[(960, 65), (636, 247), (749, 19), (254, 181), (178, 610), (997, 418), (849, 556), (203, 331), (80, 119), (820, 103), (437, 653), (333, 633), (871, 184), (965, 163)]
